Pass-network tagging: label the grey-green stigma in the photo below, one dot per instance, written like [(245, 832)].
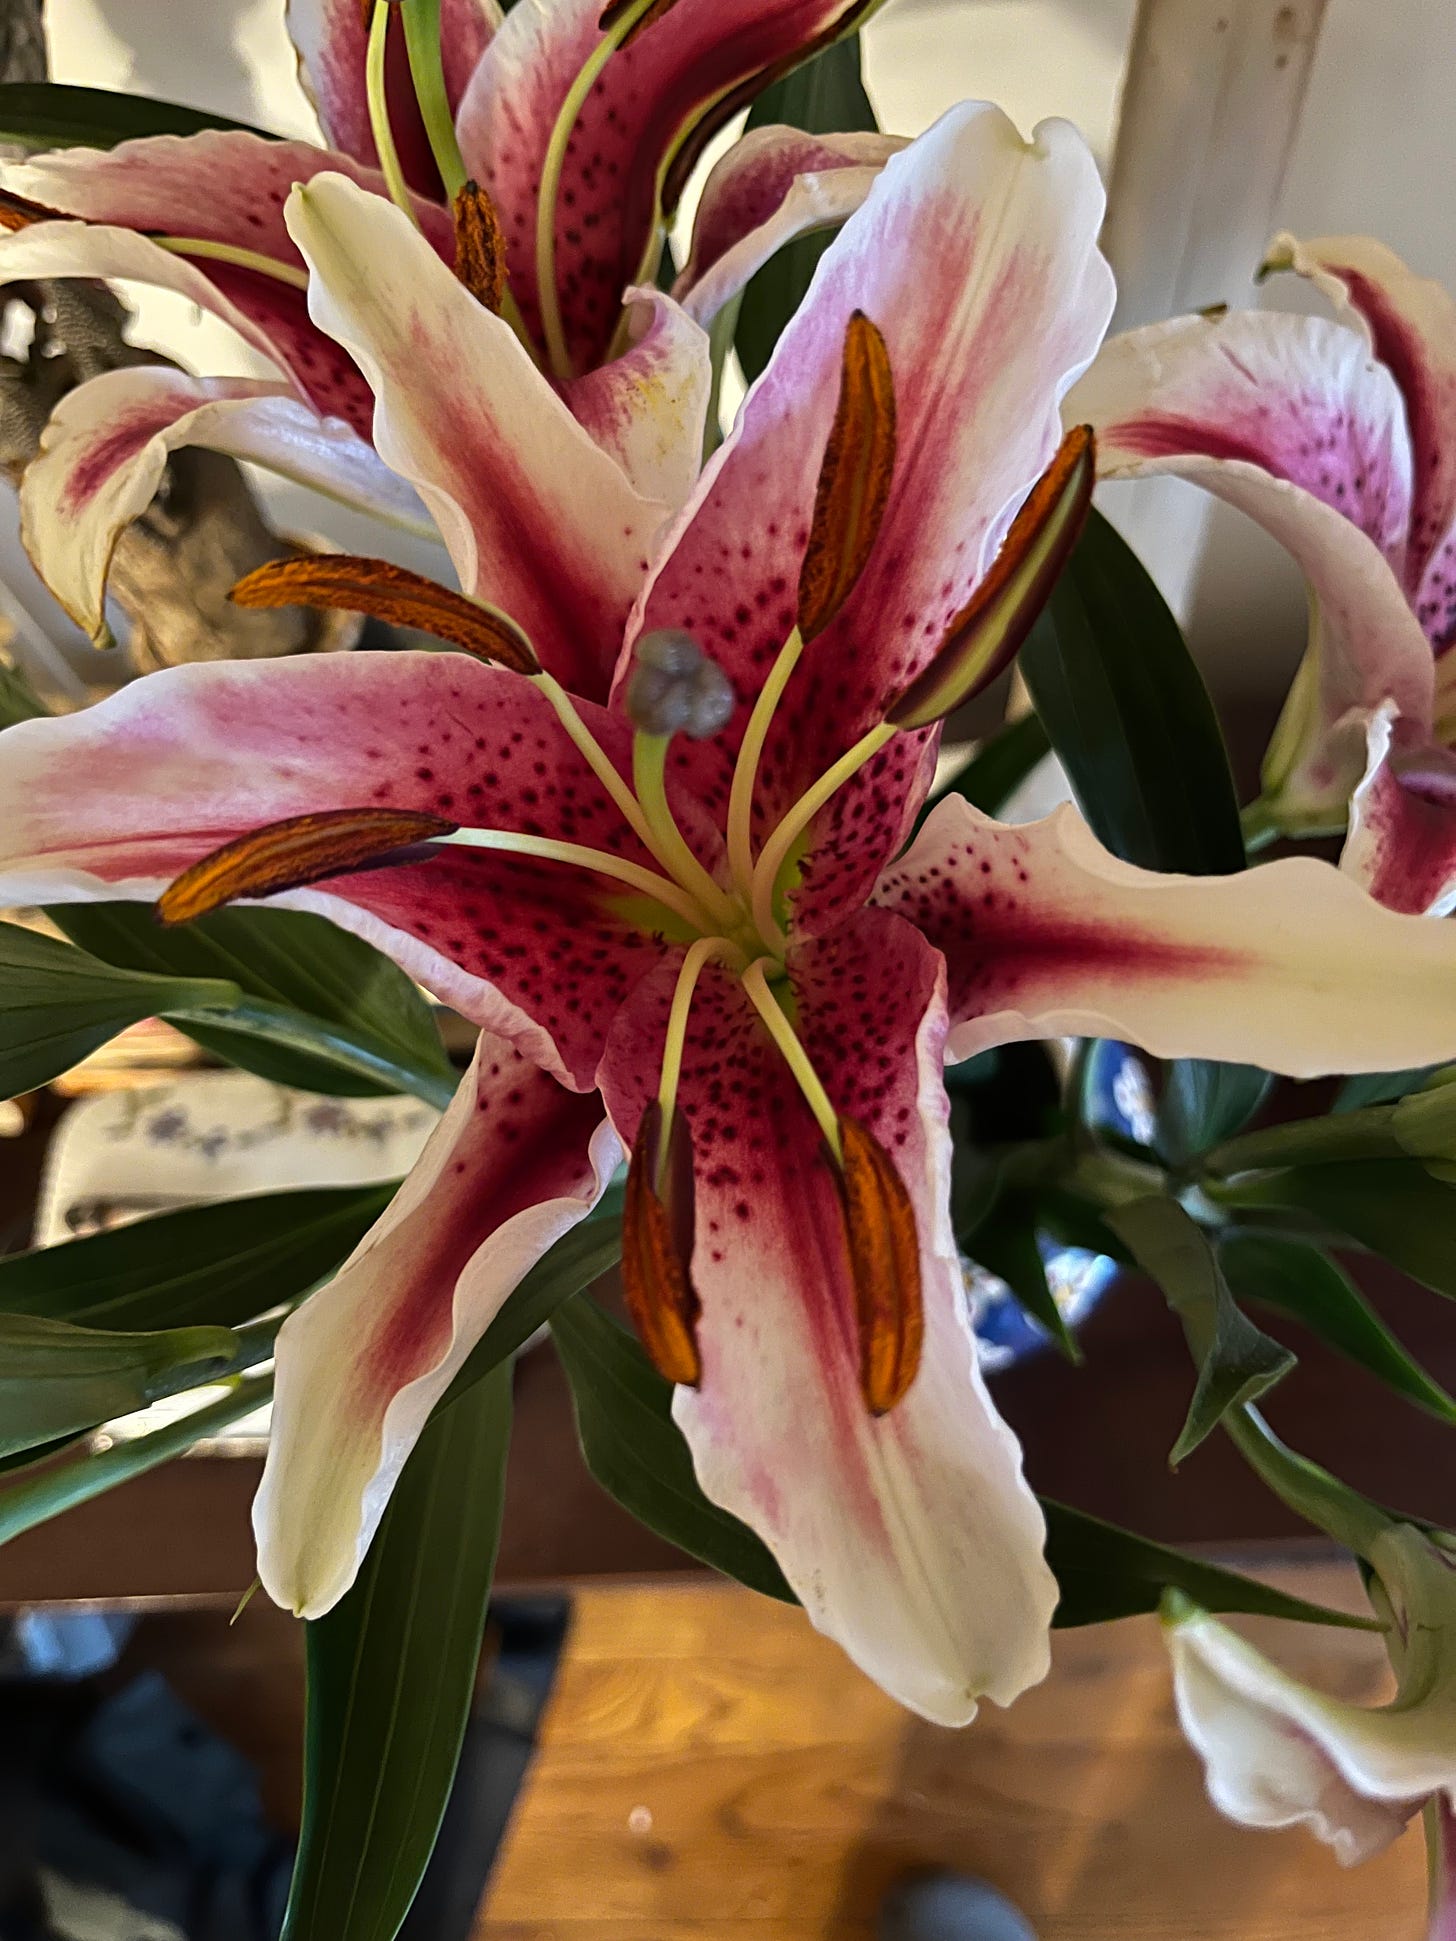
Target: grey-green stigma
[(674, 689)]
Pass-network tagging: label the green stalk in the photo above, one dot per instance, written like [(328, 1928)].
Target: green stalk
[(62, 1488), (422, 44)]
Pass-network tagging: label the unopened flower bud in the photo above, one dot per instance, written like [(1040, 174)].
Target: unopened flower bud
[(675, 689)]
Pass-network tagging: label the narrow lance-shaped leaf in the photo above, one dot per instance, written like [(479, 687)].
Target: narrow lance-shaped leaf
[(1129, 715), (325, 1011), (1104, 1572), (1204, 1102), (57, 1005), (637, 1453), (53, 114), (1237, 1362), (391, 1676), (56, 1378), (1393, 1207), (1295, 1278), (223, 1264)]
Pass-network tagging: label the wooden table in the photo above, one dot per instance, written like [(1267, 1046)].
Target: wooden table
[(711, 1770)]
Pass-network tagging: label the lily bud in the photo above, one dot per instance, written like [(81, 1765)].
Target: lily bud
[(393, 594), (989, 629), (289, 854), (657, 1245), (854, 478), (884, 1257), (480, 247), (675, 689)]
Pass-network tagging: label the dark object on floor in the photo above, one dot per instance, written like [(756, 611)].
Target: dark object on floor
[(950, 1907)]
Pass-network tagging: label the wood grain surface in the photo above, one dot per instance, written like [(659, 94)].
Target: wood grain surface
[(711, 1770)]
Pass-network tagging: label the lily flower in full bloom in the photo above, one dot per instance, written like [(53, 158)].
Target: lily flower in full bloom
[(648, 833), (1340, 439), (1278, 1753), (539, 155)]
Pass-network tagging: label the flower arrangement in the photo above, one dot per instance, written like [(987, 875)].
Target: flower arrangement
[(662, 816)]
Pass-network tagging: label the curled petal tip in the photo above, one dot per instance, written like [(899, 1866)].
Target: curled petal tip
[(393, 594), (289, 854), (990, 628), (884, 1254), (854, 478), (657, 1226)]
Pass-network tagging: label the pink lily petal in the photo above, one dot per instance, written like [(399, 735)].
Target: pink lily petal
[(332, 40), (1443, 1884), (910, 1537), (1290, 420), (1409, 322), (223, 186), (657, 102), (975, 255), (117, 800), (1280, 1754), (648, 407), (1045, 934), (538, 519), (773, 185), (1402, 840), (515, 1162), (104, 451)]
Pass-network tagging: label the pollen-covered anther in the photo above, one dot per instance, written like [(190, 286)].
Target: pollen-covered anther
[(289, 854), (884, 1259), (19, 212), (657, 1241), (392, 594), (675, 689), (990, 628), (480, 246), (854, 478)]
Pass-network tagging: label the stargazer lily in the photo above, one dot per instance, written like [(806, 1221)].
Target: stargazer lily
[(1340, 439), (1278, 1753), (540, 156), (681, 914)]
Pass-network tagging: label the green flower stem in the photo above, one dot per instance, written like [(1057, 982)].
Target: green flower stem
[(422, 44), (45, 1495), (1367, 1134), (277, 1022)]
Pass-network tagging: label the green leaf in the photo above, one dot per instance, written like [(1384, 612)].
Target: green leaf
[(1104, 1572), (578, 1258), (56, 1378), (1204, 1102), (1295, 1278), (998, 767), (1393, 1207), (363, 1029), (61, 1486), (18, 700), (1005, 1244), (391, 1676), (1236, 1361), (1380, 1088), (48, 114), (57, 1005), (637, 1453), (223, 1264), (1129, 715), (824, 96)]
